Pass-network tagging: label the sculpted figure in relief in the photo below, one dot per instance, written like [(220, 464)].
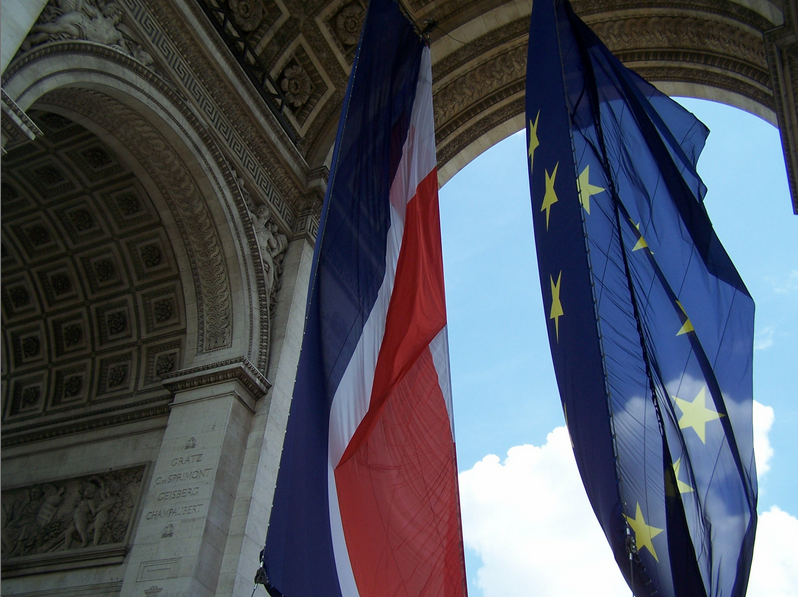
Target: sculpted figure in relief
[(72, 514), (97, 21), (272, 243)]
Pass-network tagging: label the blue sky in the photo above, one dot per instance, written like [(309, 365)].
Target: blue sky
[(524, 512)]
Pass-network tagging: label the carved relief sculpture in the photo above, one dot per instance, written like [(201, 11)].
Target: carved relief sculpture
[(72, 514), (272, 244), (98, 21)]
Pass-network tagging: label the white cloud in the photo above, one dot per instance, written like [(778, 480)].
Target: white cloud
[(763, 421), (528, 519), (764, 338), (774, 572), (786, 285)]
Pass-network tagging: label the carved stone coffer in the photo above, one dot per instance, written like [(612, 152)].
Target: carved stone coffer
[(71, 523)]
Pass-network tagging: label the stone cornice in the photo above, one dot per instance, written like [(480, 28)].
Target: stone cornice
[(239, 369), (156, 406)]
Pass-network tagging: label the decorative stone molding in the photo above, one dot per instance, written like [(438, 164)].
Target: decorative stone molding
[(70, 523), (171, 38), (478, 83), (16, 124), (683, 33), (239, 369)]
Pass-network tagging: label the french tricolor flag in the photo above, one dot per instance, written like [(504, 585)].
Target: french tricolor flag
[(366, 503)]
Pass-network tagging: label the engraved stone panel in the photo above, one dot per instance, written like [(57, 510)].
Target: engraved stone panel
[(36, 237), (71, 384), (28, 345), (92, 513), (49, 178), (18, 297), (94, 161), (59, 284), (81, 221), (128, 205), (302, 84), (56, 128), (163, 310), (344, 25), (151, 257), (71, 334), (27, 395), (116, 374), (115, 322), (13, 197), (161, 359), (103, 271), (7, 255)]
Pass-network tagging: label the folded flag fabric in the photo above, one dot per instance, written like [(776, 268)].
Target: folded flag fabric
[(366, 502), (650, 325)]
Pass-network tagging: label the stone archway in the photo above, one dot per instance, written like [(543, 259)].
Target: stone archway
[(740, 52), (209, 204)]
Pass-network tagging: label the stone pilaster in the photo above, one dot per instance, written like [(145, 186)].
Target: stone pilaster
[(188, 507), (259, 472), (781, 44)]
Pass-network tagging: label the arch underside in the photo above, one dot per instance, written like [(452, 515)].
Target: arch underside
[(740, 52)]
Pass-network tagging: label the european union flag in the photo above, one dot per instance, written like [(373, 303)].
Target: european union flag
[(650, 325)]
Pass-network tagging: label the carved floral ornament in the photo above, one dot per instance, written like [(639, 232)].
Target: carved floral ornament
[(296, 84), (349, 22), (247, 14), (98, 21)]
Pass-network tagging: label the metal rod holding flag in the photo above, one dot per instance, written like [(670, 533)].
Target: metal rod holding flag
[(366, 502), (651, 327)]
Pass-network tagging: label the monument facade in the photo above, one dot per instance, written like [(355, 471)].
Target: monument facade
[(163, 169)]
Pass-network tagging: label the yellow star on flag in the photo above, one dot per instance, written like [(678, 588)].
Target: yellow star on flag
[(533, 140), (683, 487), (550, 198), (688, 325), (643, 532), (587, 190), (556, 306), (695, 414), (641, 242)]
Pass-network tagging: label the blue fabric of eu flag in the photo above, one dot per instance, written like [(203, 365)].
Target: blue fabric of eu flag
[(650, 325)]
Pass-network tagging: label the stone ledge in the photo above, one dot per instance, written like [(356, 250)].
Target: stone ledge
[(239, 369), (45, 563)]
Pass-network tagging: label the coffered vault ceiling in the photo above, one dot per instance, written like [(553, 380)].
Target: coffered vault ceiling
[(92, 301)]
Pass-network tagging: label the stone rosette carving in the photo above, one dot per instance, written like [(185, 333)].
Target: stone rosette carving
[(93, 511), (98, 21), (247, 14), (349, 22), (296, 85)]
